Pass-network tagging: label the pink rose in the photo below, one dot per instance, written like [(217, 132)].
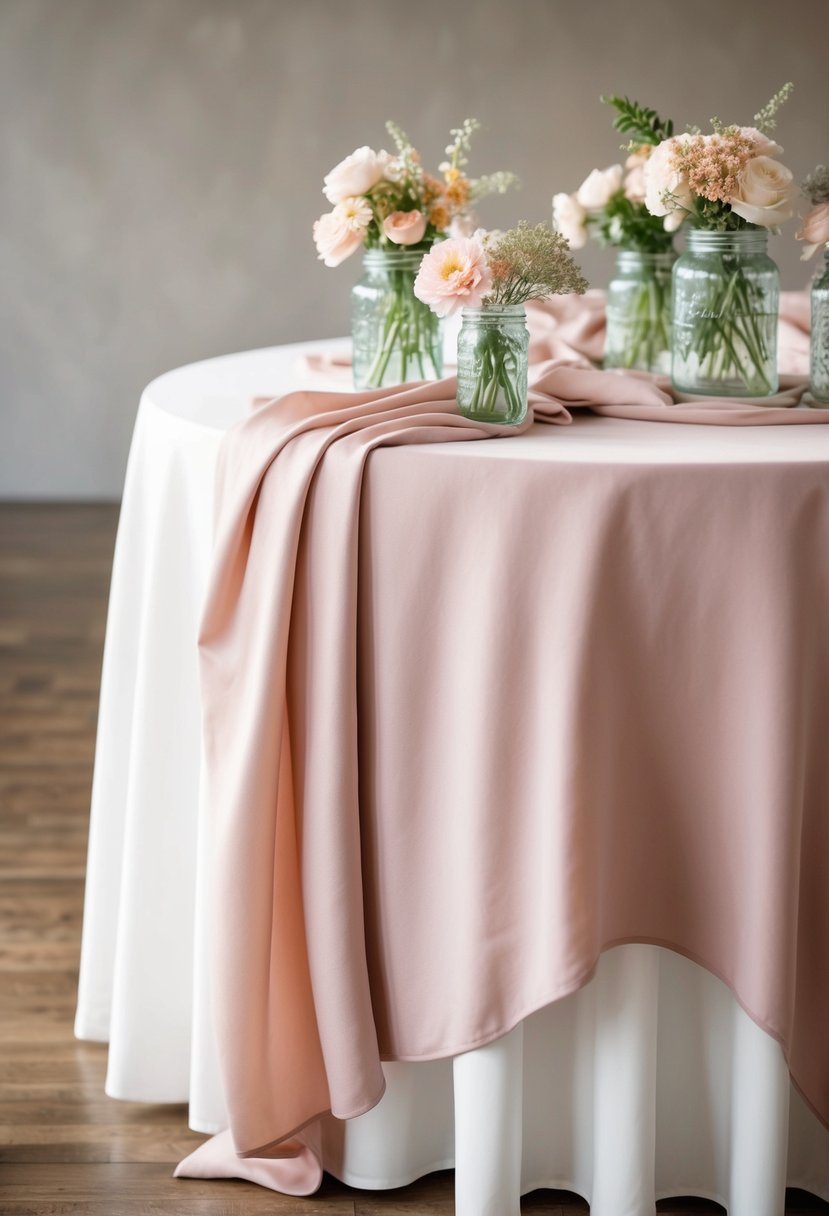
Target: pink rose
[(405, 227), (336, 237), (814, 230), (355, 175), (453, 275)]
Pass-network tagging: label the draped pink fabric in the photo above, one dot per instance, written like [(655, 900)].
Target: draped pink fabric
[(418, 839)]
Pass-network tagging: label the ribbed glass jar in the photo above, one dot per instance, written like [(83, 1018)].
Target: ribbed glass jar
[(395, 337), (725, 300), (492, 364), (819, 363), (639, 311)]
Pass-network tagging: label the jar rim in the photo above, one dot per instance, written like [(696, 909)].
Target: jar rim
[(492, 310), (747, 238), (397, 253), (664, 257)]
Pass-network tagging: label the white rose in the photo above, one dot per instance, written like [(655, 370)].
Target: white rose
[(763, 146), (598, 187), (674, 220), (569, 219), (355, 175), (765, 193), (663, 181)]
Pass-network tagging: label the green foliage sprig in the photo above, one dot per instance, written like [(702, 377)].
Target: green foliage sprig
[(640, 122), (631, 226), (765, 120)]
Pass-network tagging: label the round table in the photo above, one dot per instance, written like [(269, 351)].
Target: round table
[(650, 1081)]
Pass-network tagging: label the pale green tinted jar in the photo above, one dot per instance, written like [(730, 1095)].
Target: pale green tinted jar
[(492, 364), (725, 300), (819, 363), (395, 337), (639, 312)]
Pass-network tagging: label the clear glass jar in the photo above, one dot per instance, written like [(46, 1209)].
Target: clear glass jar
[(395, 337), (492, 364), (819, 364), (639, 311), (725, 299)]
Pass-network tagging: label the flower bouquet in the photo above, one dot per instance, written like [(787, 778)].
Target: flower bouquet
[(391, 206), (732, 190), (491, 277), (610, 205), (814, 231)]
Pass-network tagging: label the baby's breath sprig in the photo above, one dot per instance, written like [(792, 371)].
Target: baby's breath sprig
[(531, 263), (765, 120), (493, 183), (407, 156), (815, 186), (461, 142)]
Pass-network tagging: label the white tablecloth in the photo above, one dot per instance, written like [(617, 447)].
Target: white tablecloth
[(649, 1082)]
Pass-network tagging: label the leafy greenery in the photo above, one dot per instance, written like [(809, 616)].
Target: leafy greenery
[(640, 122), (631, 225)]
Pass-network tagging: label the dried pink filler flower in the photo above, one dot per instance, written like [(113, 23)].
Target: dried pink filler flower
[(712, 164)]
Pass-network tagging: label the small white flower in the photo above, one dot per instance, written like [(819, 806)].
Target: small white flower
[(569, 219)]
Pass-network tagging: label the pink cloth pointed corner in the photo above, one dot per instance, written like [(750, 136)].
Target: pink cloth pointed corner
[(308, 998), (294, 1169)]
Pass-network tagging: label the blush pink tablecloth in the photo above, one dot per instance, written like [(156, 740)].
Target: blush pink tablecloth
[(579, 714)]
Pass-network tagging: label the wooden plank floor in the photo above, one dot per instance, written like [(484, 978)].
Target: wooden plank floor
[(64, 1146)]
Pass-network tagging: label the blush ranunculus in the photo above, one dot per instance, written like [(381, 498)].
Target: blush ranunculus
[(569, 219), (453, 275), (336, 237), (814, 230), (598, 187), (765, 193), (356, 174), (405, 227), (666, 187)]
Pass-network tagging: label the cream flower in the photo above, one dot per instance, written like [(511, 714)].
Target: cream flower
[(666, 187), (569, 219), (814, 230), (635, 176), (405, 227), (674, 220), (598, 187), (336, 236), (763, 146), (355, 175), (765, 193), (453, 275)]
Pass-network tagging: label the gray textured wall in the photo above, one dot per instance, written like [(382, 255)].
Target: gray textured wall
[(162, 164)]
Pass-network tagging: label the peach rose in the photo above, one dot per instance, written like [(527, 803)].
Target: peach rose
[(356, 174), (453, 275), (765, 193), (405, 227), (814, 230)]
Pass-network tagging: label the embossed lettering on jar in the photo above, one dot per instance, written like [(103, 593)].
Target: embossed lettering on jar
[(725, 303)]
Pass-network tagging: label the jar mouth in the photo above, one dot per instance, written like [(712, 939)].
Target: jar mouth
[(747, 240), (634, 257), (398, 256), (517, 311)]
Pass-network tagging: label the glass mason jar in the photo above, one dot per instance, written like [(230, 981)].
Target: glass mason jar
[(819, 365), (725, 298), (395, 337), (492, 363), (639, 311)]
